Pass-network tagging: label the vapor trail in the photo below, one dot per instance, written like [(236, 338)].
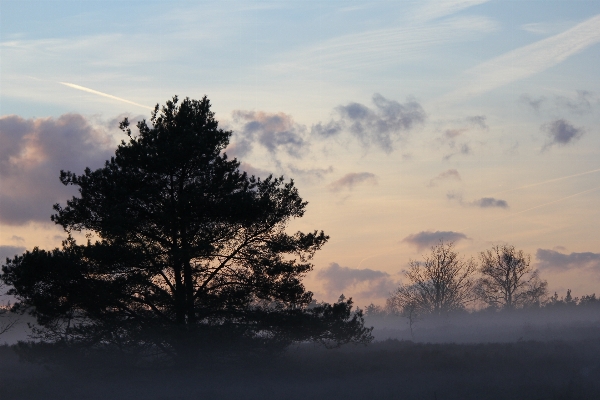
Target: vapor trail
[(376, 255), (529, 60), (539, 206), (556, 201), (110, 96), (551, 180)]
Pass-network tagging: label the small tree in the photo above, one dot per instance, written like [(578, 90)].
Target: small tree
[(4, 309), (405, 304), (509, 281), (191, 251), (442, 283)]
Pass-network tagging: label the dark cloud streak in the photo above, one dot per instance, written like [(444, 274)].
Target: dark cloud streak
[(553, 260), (484, 202), (368, 282), (352, 179), (451, 174), (426, 239)]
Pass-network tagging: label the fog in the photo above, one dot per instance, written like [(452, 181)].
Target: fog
[(525, 354), (565, 323)]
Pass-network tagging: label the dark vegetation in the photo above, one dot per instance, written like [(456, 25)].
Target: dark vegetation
[(189, 286), (383, 370), (186, 255)]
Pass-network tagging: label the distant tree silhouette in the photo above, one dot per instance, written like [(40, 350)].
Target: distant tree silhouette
[(442, 283), (509, 281), (5, 326), (189, 252)]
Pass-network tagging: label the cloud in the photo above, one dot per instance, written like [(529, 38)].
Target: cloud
[(330, 129), (530, 60), (464, 149), (531, 102), (484, 202), (553, 260), (450, 174), (478, 120), (10, 252), (426, 239), (310, 173), (430, 10), (452, 133), (365, 282), (545, 28), (456, 140), (32, 154), (352, 179), (561, 133), (381, 126), (490, 202), (380, 47), (581, 104), (275, 132)]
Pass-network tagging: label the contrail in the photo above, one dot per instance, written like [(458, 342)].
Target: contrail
[(539, 206), (556, 201), (110, 96), (516, 213), (508, 216), (375, 255), (551, 180), (529, 60)]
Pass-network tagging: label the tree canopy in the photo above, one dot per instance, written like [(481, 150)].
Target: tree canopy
[(442, 283), (508, 280), (184, 250)]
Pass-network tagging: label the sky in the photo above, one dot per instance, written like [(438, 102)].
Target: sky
[(401, 123)]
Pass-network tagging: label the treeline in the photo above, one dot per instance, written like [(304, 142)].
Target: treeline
[(503, 279)]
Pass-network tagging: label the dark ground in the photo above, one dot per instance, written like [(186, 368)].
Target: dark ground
[(384, 370)]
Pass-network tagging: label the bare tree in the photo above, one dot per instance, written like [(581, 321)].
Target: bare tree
[(443, 282), (509, 281)]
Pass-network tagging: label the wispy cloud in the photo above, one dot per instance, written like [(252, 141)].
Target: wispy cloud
[(534, 103), (484, 202), (581, 104), (430, 10), (349, 181), (529, 60), (545, 28), (382, 46), (451, 174), (310, 173)]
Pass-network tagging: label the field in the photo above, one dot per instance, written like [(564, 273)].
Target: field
[(389, 369)]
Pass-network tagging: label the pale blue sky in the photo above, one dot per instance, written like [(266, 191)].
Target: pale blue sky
[(456, 101)]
